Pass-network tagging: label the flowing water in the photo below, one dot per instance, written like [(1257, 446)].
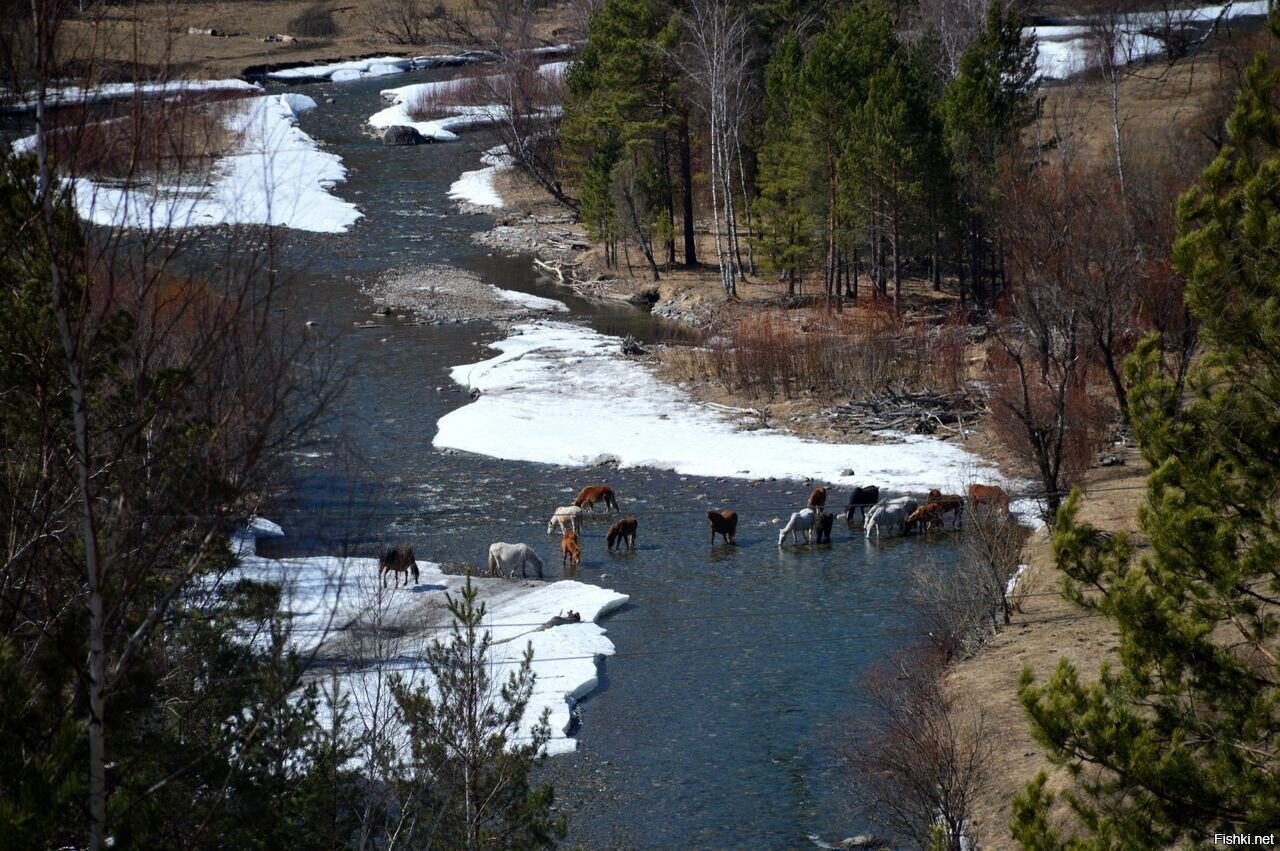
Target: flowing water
[(716, 724)]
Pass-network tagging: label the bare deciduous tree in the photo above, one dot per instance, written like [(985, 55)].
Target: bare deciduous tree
[(716, 56), (918, 758)]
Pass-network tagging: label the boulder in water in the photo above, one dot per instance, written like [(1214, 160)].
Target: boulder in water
[(400, 135)]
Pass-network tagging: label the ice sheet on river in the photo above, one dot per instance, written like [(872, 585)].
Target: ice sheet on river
[(562, 394), (333, 600), (274, 174)]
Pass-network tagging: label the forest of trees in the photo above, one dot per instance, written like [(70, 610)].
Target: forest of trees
[(840, 143), (145, 411)]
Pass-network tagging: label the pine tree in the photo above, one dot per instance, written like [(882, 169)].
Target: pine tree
[(983, 110), (788, 224), (620, 110), (469, 768), (1179, 739)]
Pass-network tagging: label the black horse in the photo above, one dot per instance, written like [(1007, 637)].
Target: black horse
[(862, 499)]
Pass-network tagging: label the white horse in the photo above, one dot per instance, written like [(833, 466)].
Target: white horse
[(510, 556), (801, 521), (889, 514), (568, 517)]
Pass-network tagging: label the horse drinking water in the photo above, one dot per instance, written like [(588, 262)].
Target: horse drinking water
[(508, 557), (801, 521), (622, 533), (589, 496)]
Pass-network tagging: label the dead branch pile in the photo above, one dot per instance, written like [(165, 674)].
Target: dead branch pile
[(921, 412)]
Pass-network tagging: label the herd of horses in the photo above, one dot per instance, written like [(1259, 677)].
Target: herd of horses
[(903, 514)]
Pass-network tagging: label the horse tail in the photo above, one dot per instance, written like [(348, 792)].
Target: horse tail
[(493, 563), (537, 562), (611, 500)]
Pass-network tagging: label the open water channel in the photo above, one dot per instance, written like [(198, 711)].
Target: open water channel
[(715, 724)]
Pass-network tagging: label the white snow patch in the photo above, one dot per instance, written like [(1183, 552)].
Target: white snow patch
[(532, 301), (324, 594), (69, 95), (462, 118), (339, 72), (275, 174), (296, 103), (439, 129), (541, 401), (476, 187)]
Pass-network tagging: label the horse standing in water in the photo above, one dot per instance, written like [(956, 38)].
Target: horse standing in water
[(566, 517), (817, 499), (823, 526), (570, 552), (589, 496), (889, 514), (801, 521), (401, 560), (508, 557), (723, 523), (862, 498), (622, 533)]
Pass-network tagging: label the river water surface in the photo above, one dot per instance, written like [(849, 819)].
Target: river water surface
[(715, 724)]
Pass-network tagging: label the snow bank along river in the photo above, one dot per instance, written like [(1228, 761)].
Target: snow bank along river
[(328, 595), (561, 394)]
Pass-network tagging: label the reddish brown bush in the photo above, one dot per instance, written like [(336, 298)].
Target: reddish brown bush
[(766, 355)]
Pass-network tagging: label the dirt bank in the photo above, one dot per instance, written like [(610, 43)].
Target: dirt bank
[(1045, 629), (223, 38)]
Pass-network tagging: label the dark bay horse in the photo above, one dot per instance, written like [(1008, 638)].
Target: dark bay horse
[(401, 560), (622, 533), (724, 523)]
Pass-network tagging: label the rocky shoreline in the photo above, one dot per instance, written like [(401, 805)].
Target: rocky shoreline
[(443, 294)]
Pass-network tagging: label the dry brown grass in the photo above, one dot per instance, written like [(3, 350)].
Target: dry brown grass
[(789, 354), (524, 87), (116, 41), (1047, 628), (124, 140)]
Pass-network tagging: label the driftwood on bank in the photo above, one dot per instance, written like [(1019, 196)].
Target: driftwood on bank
[(566, 274), (923, 412)]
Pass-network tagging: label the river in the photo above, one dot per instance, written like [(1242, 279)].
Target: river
[(717, 722)]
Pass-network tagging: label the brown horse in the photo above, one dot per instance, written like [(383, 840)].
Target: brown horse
[(401, 560), (928, 516), (724, 523), (989, 495), (622, 532), (950, 503), (823, 525), (589, 496), (817, 499), (571, 553)]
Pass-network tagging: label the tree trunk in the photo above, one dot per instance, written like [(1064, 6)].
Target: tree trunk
[(686, 182), (71, 346), (897, 267)]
